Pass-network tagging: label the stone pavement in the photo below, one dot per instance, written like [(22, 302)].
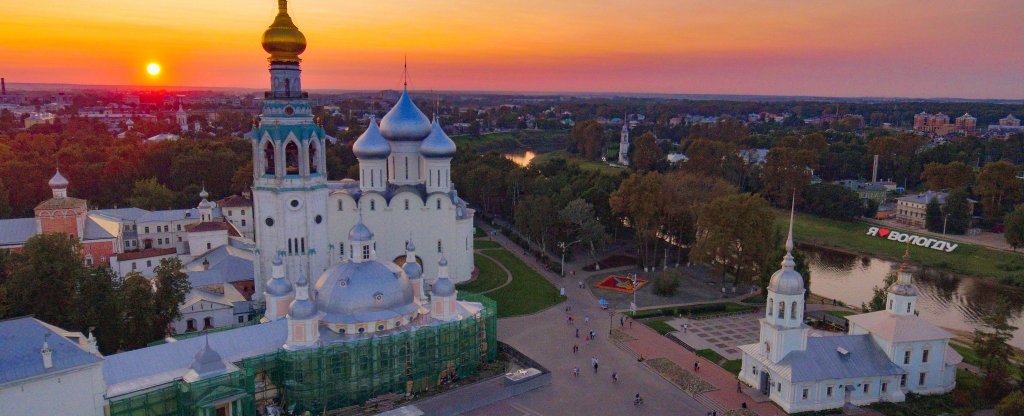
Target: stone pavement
[(722, 335), (548, 339)]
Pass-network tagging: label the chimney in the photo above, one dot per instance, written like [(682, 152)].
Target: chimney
[(3, 86), (47, 353), (874, 171)]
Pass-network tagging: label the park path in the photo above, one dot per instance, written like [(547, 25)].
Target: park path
[(508, 274)]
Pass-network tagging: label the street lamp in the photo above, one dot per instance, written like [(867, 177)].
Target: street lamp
[(633, 279), (944, 220), (564, 247)]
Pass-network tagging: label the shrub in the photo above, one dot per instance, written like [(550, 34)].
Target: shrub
[(1011, 405), (666, 283)]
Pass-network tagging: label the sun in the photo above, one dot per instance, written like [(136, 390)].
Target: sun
[(153, 69)]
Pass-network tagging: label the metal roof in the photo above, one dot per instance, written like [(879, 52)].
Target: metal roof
[(822, 359), (17, 230), (232, 263), (94, 231), (122, 214), (898, 328), (21, 339)]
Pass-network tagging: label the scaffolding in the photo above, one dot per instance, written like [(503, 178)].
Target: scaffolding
[(333, 376)]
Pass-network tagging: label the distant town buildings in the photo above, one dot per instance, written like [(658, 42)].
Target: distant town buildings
[(912, 209), (938, 124)]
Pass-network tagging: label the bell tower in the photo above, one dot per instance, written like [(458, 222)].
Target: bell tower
[(289, 164), (782, 328)]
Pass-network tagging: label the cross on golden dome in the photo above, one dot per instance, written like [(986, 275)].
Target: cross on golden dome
[(283, 40)]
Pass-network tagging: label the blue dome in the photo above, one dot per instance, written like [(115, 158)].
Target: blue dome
[(405, 122), (437, 144), (279, 287), (412, 269), (371, 145), (443, 287), (302, 309), (360, 232), (364, 292)]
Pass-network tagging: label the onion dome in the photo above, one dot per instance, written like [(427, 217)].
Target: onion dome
[(405, 122), (443, 287), (364, 292), (904, 284), (787, 281), (371, 144), (360, 232), (207, 363), (58, 181), (279, 287), (302, 307), (437, 144), (283, 40)]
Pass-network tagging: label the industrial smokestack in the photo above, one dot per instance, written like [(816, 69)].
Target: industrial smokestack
[(874, 171), (3, 86)]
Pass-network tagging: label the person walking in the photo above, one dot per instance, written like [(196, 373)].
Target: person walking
[(593, 362), (615, 377), (576, 372), (686, 328), (738, 389), (696, 367), (622, 321), (586, 319), (577, 332)]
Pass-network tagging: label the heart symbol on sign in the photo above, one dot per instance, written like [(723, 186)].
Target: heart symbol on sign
[(883, 232)]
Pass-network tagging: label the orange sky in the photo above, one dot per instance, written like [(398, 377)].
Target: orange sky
[(937, 48)]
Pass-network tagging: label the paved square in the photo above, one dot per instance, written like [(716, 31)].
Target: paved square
[(722, 335)]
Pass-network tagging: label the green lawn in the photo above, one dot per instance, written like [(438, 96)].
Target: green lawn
[(733, 366), (491, 276), (694, 310), (583, 164), (659, 325), (710, 355), (528, 292), (841, 314), (485, 244), (967, 259)]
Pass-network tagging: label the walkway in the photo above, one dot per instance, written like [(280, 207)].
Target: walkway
[(508, 274), (549, 339)]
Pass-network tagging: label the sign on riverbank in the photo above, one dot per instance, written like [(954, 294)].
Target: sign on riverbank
[(917, 240)]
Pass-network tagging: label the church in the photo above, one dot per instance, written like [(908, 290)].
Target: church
[(884, 356), (404, 190)]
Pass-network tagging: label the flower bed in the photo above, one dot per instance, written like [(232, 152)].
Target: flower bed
[(620, 284), (682, 378)]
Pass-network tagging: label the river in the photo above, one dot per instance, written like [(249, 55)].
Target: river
[(949, 301), (521, 158)]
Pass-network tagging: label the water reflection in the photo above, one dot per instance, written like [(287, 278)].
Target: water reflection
[(950, 301), (521, 158)]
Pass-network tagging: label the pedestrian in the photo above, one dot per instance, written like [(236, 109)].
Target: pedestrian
[(594, 361), (581, 284), (588, 339), (575, 348), (592, 334), (576, 372), (622, 321), (577, 332), (686, 327), (738, 389), (630, 323), (615, 377), (696, 366), (586, 319)]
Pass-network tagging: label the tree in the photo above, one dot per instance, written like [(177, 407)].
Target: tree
[(646, 153), (832, 201), (666, 282), (870, 208), (938, 177), (990, 343), (140, 326), (877, 302), (639, 200), (44, 279), (999, 188), (1014, 233), (172, 286), (1011, 405), (708, 157), (588, 136), (957, 212), (5, 203), (582, 225), (933, 216), (150, 195), (734, 234), (787, 170)]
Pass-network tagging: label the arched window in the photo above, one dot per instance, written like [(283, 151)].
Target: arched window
[(770, 303), (287, 87), (291, 158), (792, 311), (908, 307), (313, 165), (268, 159), (438, 204), (782, 310)]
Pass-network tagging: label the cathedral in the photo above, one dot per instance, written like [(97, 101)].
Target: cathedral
[(404, 190)]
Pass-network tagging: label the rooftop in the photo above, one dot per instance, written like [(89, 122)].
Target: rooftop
[(822, 360), (22, 339), (898, 328)]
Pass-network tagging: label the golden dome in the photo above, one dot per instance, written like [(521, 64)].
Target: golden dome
[(282, 40)]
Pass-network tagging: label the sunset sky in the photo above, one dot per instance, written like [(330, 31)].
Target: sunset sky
[(972, 49)]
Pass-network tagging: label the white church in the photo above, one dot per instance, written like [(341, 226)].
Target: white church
[(404, 191), (884, 356)]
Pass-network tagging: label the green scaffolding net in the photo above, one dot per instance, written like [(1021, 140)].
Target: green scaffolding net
[(333, 376)]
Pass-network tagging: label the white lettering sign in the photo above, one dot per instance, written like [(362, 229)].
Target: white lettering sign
[(916, 240)]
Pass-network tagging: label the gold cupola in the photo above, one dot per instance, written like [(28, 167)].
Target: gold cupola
[(282, 40)]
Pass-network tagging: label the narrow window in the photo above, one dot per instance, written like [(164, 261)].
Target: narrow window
[(406, 204), (243, 223), (924, 356), (438, 204), (828, 391), (312, 157), (230, 212), (243, 212), (920, 379), (805, 394), (885, 387), (792, 311), (903, 380), (341, 250), (291, 158), (908, 307), (865, 388), (341, 205), (891, 307), (770, 308), (779, 389), (782, 310), (289, 246), (906, 357), (439, 248), (406, 167), (373, 205), (268, 159), (207, 246)]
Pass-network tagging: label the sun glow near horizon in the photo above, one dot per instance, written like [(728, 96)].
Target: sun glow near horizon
[(876, 47), (153, 69)]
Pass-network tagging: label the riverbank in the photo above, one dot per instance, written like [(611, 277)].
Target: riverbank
[(966, 259)]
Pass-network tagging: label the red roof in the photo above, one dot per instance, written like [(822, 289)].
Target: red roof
[(143, 254), (234, 201), (213, 226)]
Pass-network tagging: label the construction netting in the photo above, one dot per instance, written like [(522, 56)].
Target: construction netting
[(333, 376)]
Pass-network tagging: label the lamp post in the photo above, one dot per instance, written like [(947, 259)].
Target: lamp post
[(944, 221), (633, 279), (611, 316), (565, 247)]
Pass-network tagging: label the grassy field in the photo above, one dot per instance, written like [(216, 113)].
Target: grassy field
[(841, 314), (583, 164), (485, 244), (967, 259), (528, 292), (659, 325), (490, 277)]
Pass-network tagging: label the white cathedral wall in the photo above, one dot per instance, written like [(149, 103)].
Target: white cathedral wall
[(291, 222), (76, 392), (934, 369), (393, 225)]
